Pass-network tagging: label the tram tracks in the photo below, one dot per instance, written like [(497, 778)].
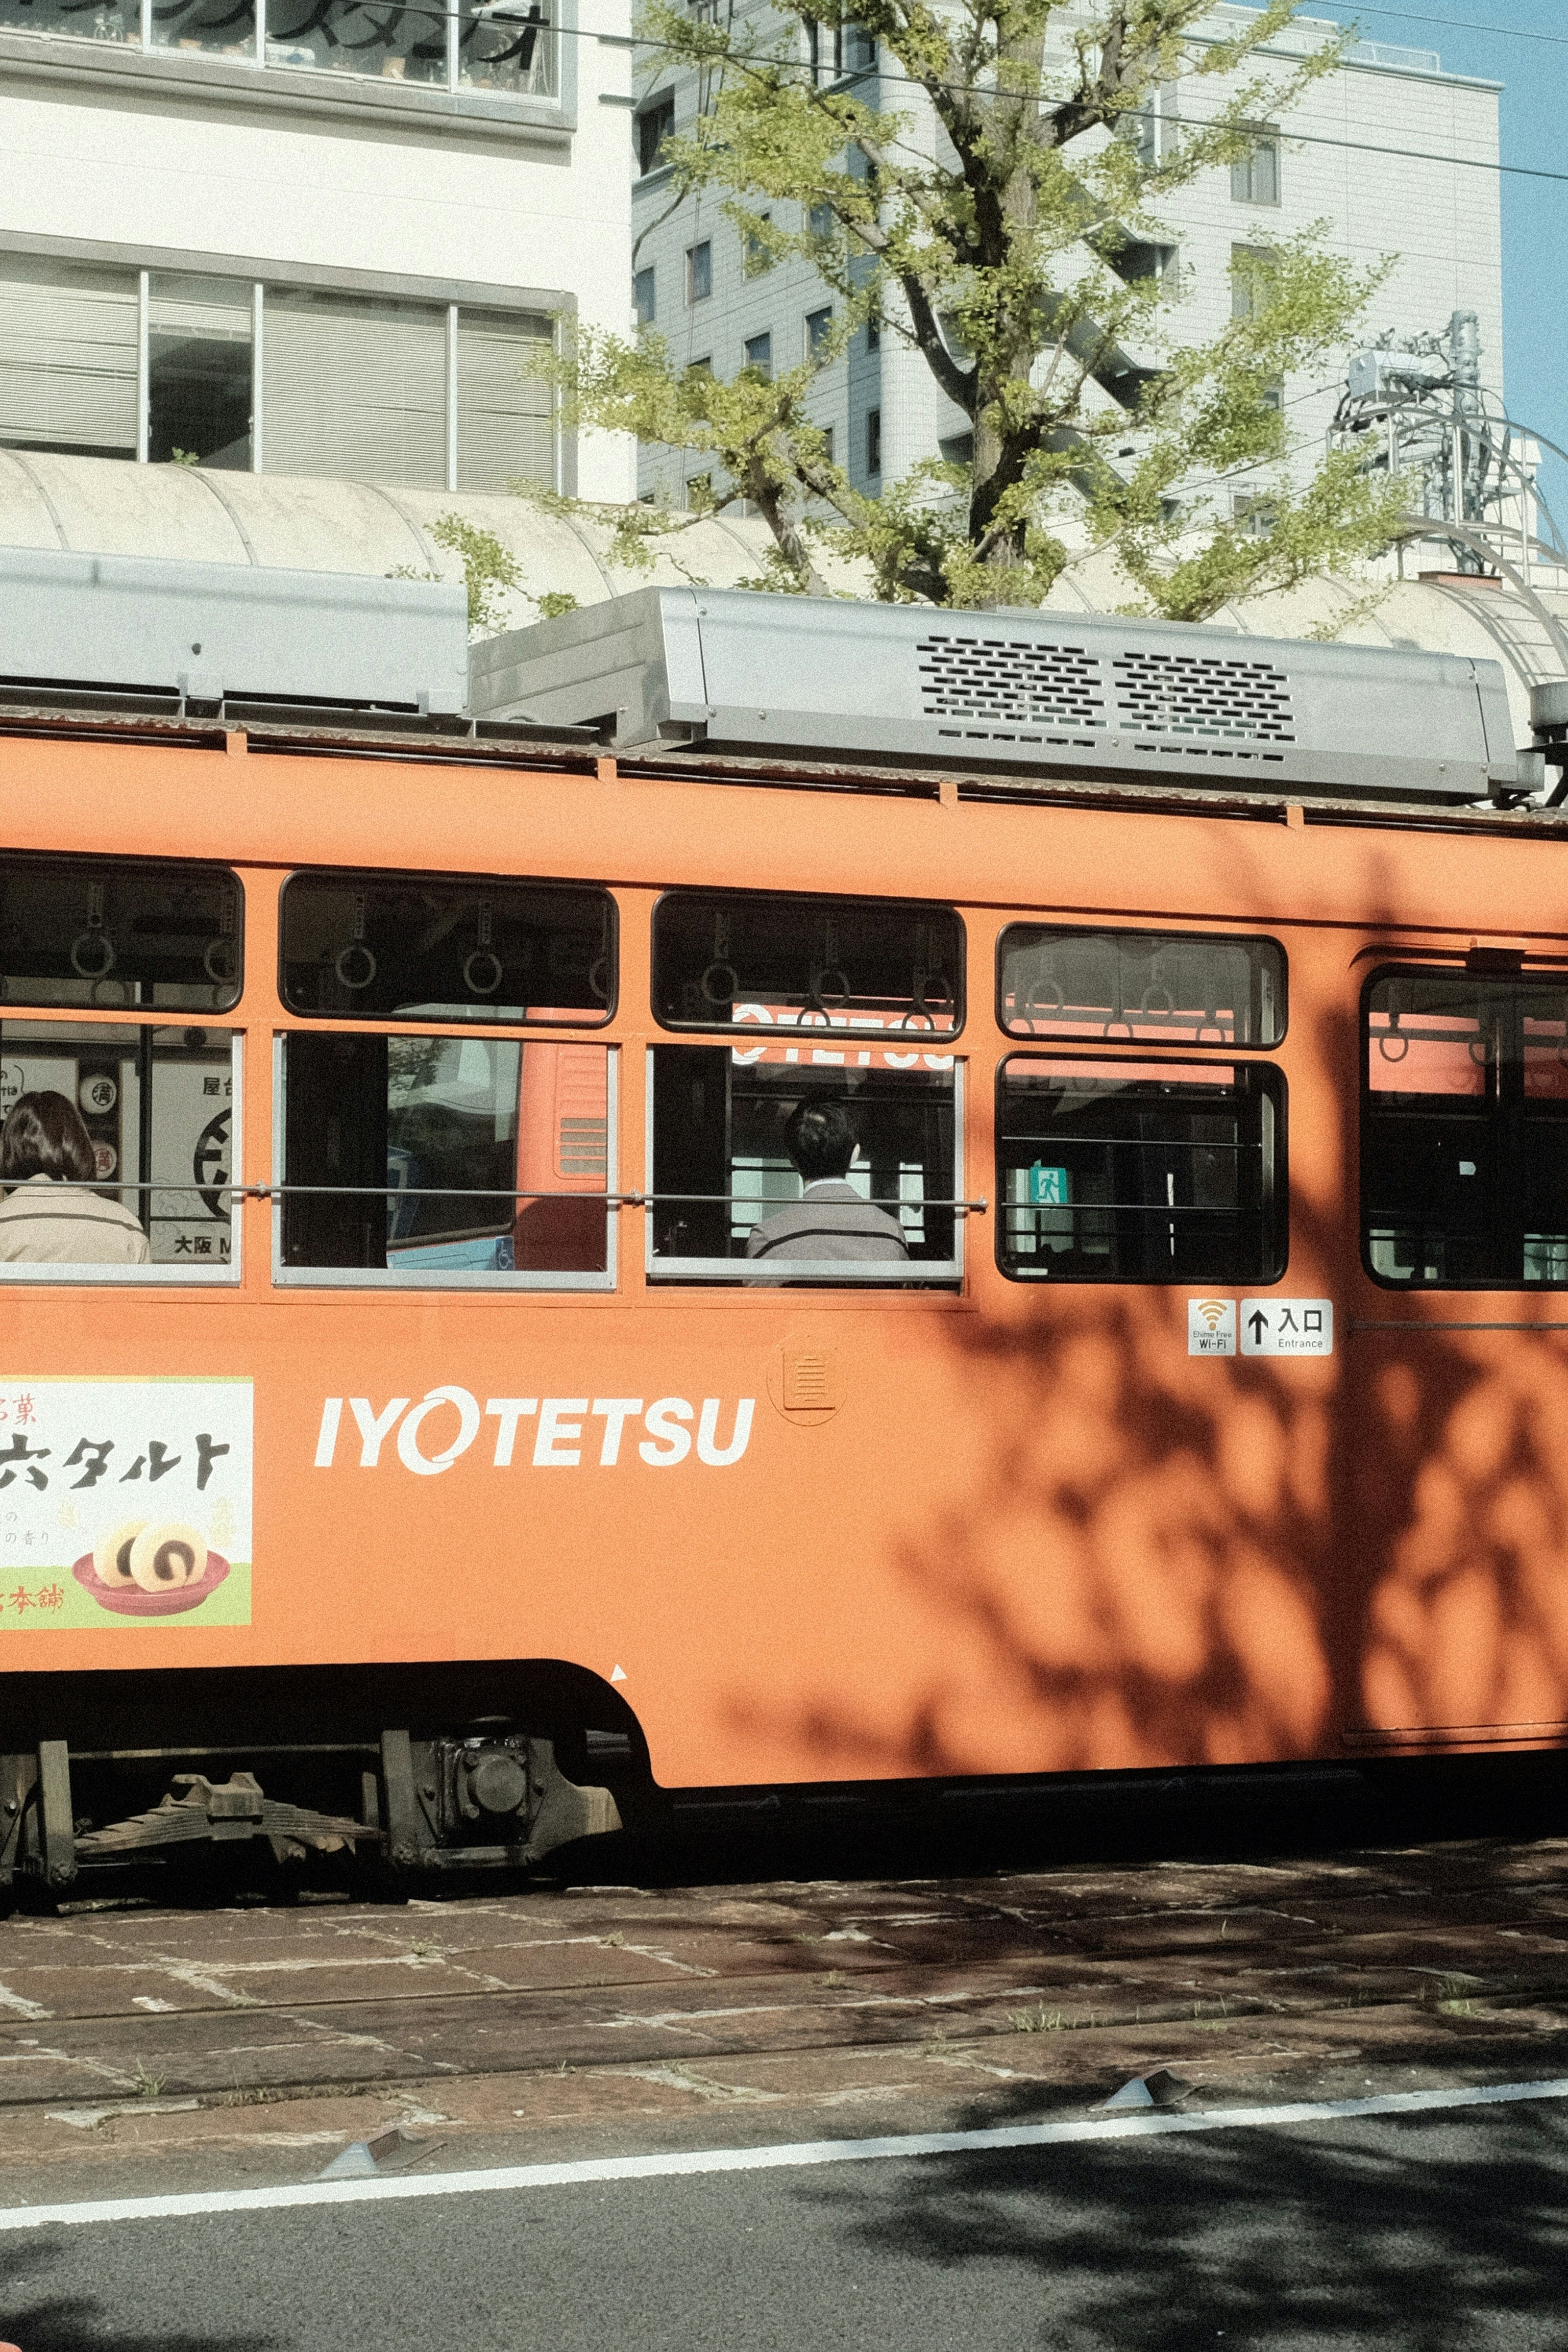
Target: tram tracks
[(1018, 1978)]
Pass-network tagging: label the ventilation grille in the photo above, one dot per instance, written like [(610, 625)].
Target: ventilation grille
[(1014, 685), (1183, 694), (997, 682)]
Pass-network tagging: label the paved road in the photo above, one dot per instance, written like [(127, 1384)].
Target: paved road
[(1438, 2235)]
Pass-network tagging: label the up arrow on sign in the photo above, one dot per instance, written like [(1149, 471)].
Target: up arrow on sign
[(1286, 1327)]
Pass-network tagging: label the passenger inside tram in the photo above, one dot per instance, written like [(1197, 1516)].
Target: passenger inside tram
[(831, 1220), (49, 1215)]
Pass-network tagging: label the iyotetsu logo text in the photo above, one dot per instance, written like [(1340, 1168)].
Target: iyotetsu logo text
[(563, 1433)]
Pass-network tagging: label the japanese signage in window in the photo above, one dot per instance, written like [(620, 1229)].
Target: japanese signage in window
[(124, 1502)]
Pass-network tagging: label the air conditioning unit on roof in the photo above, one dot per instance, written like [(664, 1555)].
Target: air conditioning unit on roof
[(676, 670)]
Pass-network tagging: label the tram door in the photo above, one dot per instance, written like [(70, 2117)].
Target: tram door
[(1459, 1397)]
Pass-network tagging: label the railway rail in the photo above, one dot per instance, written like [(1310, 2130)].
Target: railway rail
[(267, 2038)]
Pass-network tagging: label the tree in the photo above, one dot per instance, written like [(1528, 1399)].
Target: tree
[(1001, 221)]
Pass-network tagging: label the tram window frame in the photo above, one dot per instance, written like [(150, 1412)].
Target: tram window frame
[(483, 1014), (1509, 1174), (113, 975), (766, 1272), (1272, 1213), (828, 1018), (161, 1274), (1081, 1035), (392, 1279)]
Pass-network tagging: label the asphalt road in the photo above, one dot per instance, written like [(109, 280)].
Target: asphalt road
[(1440, 2235)]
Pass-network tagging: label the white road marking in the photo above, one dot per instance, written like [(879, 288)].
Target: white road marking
[(899, 2146)]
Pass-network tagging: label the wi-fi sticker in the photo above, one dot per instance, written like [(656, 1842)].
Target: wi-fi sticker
[(1211, 1326), (1213, 1312)]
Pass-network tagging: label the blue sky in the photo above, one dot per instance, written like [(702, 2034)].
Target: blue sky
[(1494, 38)]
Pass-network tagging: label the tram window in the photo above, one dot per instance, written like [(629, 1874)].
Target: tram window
[(1140, 1172), (725, 959), (428, 946), (1175, 988), (721, 1163), (445, 1160), (159, 1106), (119, 933), (1465, 1130)]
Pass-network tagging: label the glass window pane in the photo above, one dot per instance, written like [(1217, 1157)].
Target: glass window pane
[(198, 371), (87, 20), (426, 947), (355, 388), (397, 42), (158, 1107), (455, 1157), (507, 47), (1140, 1172), (1465, 1130), (506, 419), (1174, 987), (774, 962), (730, 1171), (220, 27), (68, 358), (118, 932)]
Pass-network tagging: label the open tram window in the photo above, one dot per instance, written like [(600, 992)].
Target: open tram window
[(1140, 1172), (1465, 1130), (433, 947), (119, 933), (750, 959), (442, 1161), (722, 1164), (1174, 988), (160, 1105)]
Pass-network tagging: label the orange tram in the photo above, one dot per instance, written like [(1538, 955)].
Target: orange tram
[(1218, 1415)]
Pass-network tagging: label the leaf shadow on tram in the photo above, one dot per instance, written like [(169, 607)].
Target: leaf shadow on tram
[(1151, 1559)]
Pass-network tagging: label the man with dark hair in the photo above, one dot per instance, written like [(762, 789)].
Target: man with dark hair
[(830, 1221)]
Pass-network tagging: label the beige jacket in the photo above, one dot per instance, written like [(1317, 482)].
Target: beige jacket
[(45, 1222)]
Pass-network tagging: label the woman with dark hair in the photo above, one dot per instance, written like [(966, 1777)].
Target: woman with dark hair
[(46, 1218)]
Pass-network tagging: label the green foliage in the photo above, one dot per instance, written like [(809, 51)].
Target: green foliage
[(1004, 251), (491, 572)]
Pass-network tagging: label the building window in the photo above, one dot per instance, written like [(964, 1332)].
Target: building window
[(1249, 269), (760, 353), (756, 253), (822, 222), (834, 50), (69, 338), (502, 46), (199, 371), (874, 332), (1255, 176), (1253, 511), (431, 394), (873, 440), (654, 124), (643, 301), (818, 326), (698, 271), (1464, 1117)]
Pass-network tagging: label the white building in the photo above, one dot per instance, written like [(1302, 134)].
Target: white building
[(1387, 153), (308, 238)]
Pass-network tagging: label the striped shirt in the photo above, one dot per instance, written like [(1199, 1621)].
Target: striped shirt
[(47, 1221)]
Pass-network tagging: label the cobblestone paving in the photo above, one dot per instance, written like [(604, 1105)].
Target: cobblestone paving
[(555, 2018)]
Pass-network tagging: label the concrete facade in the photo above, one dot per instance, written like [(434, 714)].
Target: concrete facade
[(459, 205), (1338, 166)]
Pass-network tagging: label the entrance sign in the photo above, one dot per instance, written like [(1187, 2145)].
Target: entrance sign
[(1286, 1327)]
